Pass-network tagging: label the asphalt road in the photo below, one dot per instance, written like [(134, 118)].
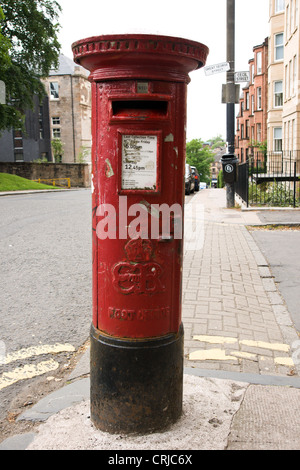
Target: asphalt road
[(281, 249), (45, 252), (45, 289)]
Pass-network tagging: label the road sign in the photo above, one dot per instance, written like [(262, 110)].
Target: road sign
[(217, 68), (2, 92), (241, 77), (230, 93)]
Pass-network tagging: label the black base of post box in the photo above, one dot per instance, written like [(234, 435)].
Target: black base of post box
[(136, 385)]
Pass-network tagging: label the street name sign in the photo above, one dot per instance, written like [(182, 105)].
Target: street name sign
[(241, 77), (217, 68)]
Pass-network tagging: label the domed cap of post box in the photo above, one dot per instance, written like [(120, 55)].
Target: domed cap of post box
[(139, 56)]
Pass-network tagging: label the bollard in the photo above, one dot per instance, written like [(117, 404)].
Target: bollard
[(139, 90)]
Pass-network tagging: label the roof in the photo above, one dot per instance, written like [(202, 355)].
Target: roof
[(66, 67)]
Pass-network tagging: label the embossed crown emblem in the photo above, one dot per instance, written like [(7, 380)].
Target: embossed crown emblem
[(139, 250)]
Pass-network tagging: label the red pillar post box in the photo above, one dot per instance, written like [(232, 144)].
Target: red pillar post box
[(139, 89)]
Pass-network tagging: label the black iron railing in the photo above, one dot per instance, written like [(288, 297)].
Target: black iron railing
[(270, 179)]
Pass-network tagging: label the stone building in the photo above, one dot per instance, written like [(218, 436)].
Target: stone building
[(291, 101), (69, 92), (276, 76)]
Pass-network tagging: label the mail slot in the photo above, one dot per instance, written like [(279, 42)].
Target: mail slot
[(140, 109), (139, 90)]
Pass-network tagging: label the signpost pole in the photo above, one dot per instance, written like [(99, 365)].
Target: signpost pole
[(230, 111)]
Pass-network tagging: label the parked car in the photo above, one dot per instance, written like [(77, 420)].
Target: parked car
[(197, 178), (189, 180)]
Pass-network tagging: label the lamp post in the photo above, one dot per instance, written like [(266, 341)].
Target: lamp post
[(231, 92)]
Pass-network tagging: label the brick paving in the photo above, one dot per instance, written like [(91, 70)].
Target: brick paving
[(234, 317)]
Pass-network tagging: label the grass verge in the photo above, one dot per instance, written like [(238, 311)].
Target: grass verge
[(16, 183)]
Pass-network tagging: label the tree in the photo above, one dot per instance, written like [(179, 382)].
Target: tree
[(200, 157), (58, 150), (220, 183), (5, 46), (217, 141), (29, 36)]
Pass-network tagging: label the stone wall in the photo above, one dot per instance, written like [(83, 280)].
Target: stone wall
[(79, 173)]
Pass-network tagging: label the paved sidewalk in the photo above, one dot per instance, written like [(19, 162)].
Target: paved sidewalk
[(234, 317), (241, 382)]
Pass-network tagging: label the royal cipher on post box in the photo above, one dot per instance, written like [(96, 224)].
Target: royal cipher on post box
[(139, 99)]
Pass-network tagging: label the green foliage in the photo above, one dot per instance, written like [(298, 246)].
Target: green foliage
[(200, 157), (277, 194), (5, 46), (220, 183), (41, 160), (16, 183), (217, 141), (261, 146), (83, 154), (29, 48), (57, 149)]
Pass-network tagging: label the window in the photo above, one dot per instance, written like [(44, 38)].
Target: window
[(258, 132), (278, 94), (41, 122), (56, 133), (292, 16), (294, 135), (278, 139), (294, 74), (242, 131), (56, 121), (247, 129), (54, 91), (258, 99), (247, 100), (252, 104), (18, 145), (251, 73), (258, 63), (290, 78), (279, 46), (279, 6)]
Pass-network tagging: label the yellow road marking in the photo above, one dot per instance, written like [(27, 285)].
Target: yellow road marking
[(284, 361), (27, 372), (245, 342), (244, 355), (264, 345), (38, 351), (221, 355), (215, 339), (210, 354)]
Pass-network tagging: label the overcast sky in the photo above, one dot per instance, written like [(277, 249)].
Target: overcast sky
[(199, 20)]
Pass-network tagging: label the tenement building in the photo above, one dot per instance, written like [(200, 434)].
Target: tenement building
[(252, 116), (69, 92), (270, 103)]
